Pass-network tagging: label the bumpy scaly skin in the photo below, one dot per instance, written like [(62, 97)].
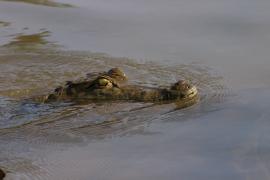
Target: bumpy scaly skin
[(106, 87)]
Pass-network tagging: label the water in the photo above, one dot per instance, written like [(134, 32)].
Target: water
[(220, 46)]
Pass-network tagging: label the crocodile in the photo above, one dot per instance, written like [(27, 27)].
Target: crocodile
[(108, 86)]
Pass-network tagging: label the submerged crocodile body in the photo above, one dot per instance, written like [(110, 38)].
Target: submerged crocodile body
[(108, 86)]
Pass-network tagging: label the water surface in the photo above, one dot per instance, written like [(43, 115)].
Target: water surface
[(220, 46)]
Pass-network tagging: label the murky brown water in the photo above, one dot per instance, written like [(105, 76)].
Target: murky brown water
[(220, 46)]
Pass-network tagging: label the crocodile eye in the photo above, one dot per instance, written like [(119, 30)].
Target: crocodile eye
[(102, 82)]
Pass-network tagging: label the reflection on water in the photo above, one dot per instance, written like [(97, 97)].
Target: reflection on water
[(221, 137), (43, 2), (31, 65), (4, 24), (27, 75), (52, 126), (29, 42)]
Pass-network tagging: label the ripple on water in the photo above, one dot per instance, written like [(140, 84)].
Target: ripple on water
[(25, 75), (36, 127)]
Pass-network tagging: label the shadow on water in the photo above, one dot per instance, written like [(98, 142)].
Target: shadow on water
[(30, 65), (42, 2)]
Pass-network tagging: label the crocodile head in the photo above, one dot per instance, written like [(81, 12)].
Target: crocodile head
[(186, 89)]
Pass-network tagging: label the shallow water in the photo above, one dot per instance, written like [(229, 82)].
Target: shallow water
[(220, 46)]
